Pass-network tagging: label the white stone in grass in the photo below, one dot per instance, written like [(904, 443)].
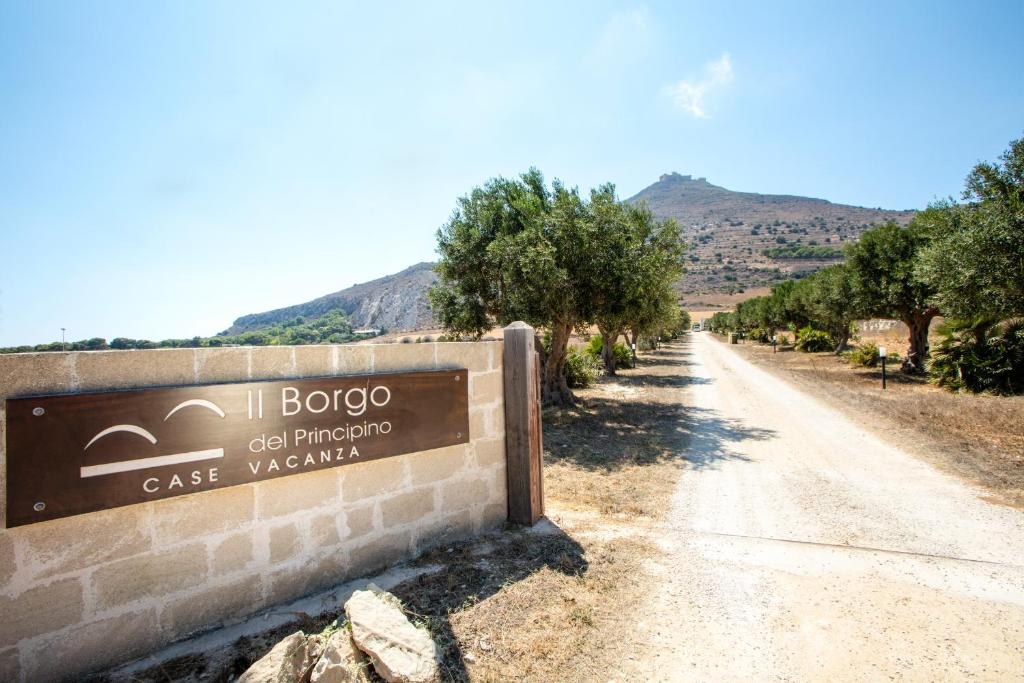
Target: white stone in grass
[(400, 652), (288, 662), (340, 662)]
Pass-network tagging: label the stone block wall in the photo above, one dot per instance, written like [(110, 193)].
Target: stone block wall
[(86, 592)]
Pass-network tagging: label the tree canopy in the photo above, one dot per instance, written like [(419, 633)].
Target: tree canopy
[(515, 250), (975, 261)]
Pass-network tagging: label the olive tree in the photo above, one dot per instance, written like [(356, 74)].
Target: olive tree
[(886, 283), (635, 259), (975, 262), (515, 250), (829, 297)]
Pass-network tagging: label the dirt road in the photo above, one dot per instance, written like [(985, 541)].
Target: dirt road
[(801, 547)]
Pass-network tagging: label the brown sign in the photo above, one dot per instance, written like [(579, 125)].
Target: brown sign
[(84, 452)]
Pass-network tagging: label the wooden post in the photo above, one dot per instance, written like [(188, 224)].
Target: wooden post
[(524, 448)]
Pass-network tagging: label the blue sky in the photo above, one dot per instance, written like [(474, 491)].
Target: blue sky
[(168, 166)]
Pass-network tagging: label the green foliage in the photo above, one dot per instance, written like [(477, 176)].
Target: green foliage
[(865, 355), (980, 355), (721, 322), (797, 251), (828, 300), (331, 328), (783, 340), (886, 281), (975, 262), (810, 340), (580, 369), (516, 250), (623, 356)]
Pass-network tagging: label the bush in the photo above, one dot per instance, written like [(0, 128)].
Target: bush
[(760, 335), (810, 340), (783, 340), (980, 355), (865, 355), (623, 356), (581, 369)]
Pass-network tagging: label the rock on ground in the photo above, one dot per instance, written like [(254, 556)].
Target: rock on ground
[(400, 652), (288, 662), (340, 662)]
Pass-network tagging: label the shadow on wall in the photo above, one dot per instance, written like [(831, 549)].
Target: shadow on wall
[(646, 421)]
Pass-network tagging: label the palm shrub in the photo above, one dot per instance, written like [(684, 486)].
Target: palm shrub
[(623, 356), (980, 355), (810, 340), (580, 369), (865, 355)]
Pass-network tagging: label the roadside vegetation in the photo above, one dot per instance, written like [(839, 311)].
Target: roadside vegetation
[(960, 260), (516, 249), (331, 328)]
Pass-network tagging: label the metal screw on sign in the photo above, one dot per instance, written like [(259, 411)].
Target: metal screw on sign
[(456, 378), (39, 507), (459, 435), (38, 410)]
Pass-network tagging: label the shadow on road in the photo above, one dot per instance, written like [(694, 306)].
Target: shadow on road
[(640, 417)]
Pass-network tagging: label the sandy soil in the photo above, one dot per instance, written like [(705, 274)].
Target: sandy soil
[(799, 546)]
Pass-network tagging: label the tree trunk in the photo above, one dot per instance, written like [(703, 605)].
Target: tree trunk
[(842, 338), (555, 390), (917, 351), (608, 338)]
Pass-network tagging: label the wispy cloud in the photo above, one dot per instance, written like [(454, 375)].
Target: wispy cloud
[(691, 95)]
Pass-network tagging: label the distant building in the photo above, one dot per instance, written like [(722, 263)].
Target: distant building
[(367, 330)]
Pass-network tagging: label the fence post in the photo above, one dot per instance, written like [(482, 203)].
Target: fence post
[(524, 446)]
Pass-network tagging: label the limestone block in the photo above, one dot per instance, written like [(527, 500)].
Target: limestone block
[(398, 650), (29, 374), (232, 553), (93, 646), (353, 359), (402, 357), (314, 360), (459, 494), (39, 610), (72, 543), (208, 607), (341, 661), (407, 507), (273, 362), (284, 542), (359, 520), (222, 364), (438, 464), (368, 479), (286, 495), (100, 370), (191, 516), (152, 574), (287, 662)]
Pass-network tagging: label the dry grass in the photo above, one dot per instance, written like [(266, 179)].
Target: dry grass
[(980, 438), (530, 607)]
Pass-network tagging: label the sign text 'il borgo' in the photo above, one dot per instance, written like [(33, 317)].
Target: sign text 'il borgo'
[(78, 453)]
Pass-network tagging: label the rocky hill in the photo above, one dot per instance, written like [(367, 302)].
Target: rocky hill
[(745, 240), (739, 241), (393, 302)]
